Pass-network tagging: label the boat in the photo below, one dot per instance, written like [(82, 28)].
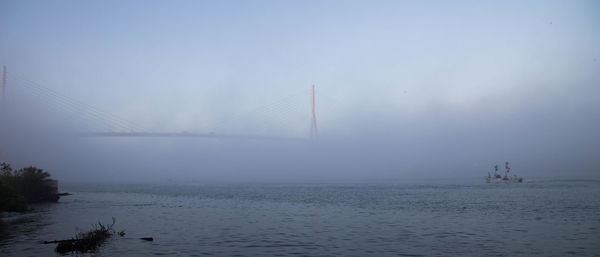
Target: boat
[(497, 178)]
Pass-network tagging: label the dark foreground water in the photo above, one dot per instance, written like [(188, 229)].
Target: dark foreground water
[(435, 218)]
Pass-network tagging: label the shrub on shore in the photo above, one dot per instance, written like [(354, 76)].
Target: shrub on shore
[(26, 185)]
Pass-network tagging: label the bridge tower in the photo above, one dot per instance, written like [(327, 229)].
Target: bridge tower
[(313, 117), (2, 82)]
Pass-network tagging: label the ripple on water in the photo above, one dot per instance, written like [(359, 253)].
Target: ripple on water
[(539, 219)]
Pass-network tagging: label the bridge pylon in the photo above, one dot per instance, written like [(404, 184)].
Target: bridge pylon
[(313, 116), (2, 82)]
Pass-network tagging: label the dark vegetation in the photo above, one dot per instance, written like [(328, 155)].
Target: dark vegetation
[(86, 241), (23, 186), (33, 185)]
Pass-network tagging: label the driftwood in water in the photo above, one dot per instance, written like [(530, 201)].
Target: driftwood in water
[(71, 240), (89, 241), (59, 241), (85, 242)]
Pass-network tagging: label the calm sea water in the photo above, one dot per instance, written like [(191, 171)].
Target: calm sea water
[(432, 218)]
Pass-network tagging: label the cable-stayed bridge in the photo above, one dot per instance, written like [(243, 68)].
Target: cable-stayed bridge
[(295, 113)]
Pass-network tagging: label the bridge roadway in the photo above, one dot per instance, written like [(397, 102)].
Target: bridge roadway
[(185, 134)]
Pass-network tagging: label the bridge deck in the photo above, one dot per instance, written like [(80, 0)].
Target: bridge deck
[(184, 134)]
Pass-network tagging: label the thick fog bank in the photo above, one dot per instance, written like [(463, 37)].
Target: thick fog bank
[(542, 142)]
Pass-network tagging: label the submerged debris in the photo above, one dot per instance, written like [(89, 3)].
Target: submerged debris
[(89, 241), (85, 242)]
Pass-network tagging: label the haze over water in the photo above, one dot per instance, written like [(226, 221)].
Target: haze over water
[(415, 104), (403, 88)]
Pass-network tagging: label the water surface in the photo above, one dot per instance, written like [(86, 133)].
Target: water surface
[(430, 218)]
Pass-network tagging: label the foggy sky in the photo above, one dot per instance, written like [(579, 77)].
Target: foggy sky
[(404, 88)]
